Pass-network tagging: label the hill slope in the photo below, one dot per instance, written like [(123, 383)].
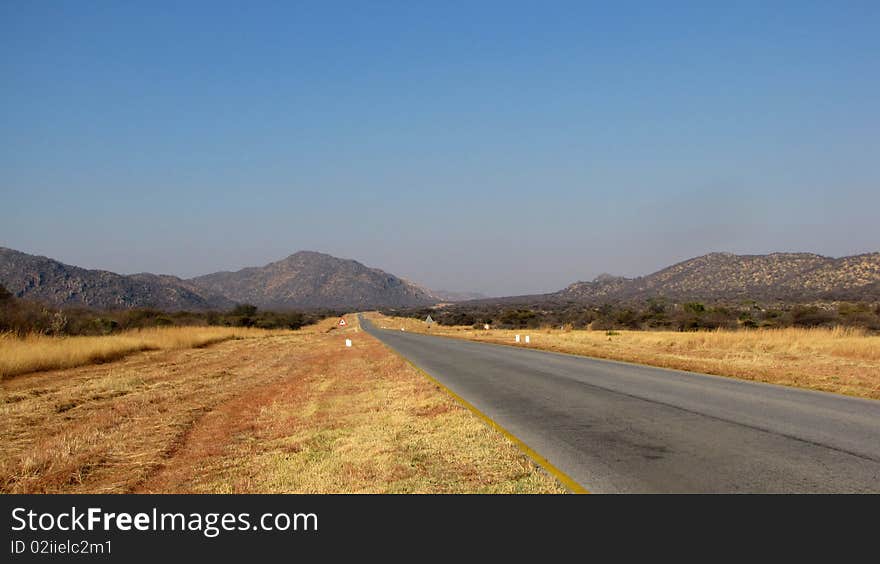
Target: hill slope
[(315, 280), (49, 281), (726, 276)]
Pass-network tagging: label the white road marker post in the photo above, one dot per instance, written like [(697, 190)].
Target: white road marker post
[(348, 342), (528, 339), (517, 338)]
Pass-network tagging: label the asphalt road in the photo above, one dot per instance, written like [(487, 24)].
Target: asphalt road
[(617, 427)]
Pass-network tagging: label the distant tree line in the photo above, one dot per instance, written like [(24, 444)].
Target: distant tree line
[(23, 317), (657, 314)]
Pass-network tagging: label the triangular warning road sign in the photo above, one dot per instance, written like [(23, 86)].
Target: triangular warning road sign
[(342, 322)]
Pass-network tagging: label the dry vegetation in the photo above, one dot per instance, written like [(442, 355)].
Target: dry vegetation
[(35, 352), (286, 412), (838, 360)]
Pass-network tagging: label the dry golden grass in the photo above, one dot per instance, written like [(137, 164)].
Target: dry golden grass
[(295, 412), (40, 352), (838, 360)]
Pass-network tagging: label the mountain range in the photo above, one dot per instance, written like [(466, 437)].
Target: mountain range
[(314, 280), (309, 280), (305, 280), (49, 281), (775, 277)]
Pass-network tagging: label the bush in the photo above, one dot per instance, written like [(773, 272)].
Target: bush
[(653, 313), (694, 307), (244, 310), (628, 318), (518, 319), (23, 317), (812, 316)]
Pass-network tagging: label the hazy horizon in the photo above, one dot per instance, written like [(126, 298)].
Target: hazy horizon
[(503, 148)]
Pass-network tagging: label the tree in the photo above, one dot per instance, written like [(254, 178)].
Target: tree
[(656, 306), (694, 307), (812, 316), (244, 310)]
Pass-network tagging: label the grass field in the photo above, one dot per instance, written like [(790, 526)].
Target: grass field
[(40, 352), (845, 361), (279, 412)]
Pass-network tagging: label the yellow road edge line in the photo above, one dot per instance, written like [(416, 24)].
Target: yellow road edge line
[(548, 466), (563, 478)]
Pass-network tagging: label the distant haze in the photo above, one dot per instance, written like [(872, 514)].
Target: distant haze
[(497, 148)]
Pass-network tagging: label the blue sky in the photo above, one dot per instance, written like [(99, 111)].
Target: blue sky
[(502, 147)]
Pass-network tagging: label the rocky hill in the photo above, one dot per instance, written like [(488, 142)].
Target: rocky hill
[(452, 296), (49, 281), (726, 276), (302, 280), (315, 280)]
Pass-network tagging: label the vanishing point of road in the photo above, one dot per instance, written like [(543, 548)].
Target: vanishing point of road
[(618, 427)]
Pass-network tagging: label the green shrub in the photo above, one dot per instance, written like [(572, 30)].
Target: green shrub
[(244, 310)]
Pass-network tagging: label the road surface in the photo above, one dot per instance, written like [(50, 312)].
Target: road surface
[(618, 427)]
